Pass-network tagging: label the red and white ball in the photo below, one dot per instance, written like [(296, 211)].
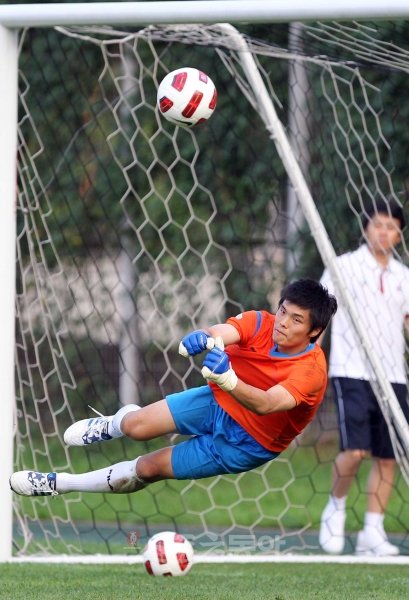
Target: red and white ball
[(169, 554), (187, 97)]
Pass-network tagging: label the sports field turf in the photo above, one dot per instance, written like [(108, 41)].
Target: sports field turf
[(206, 582)]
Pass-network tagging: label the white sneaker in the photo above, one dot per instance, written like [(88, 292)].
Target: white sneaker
[(332, 529), (33, 483), (88, 431), (372, 541)]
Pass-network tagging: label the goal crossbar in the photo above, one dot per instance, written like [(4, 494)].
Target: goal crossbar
[(213, 11)]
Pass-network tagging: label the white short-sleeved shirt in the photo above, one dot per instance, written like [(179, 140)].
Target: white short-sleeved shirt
[(381, 297)]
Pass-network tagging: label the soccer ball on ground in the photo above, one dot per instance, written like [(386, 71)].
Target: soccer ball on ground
[(187, 97), (168, 553)]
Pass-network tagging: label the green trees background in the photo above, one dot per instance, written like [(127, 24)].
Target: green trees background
[(248, 176)]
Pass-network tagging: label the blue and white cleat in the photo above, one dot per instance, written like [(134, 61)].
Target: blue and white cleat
[(33, 483), (88, 431)]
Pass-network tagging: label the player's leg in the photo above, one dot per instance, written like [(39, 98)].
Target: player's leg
[(131, 420), (344, 471), (145, 423), (380, 484), (332, 527), (353, 422), (372, 539), (120, 478)]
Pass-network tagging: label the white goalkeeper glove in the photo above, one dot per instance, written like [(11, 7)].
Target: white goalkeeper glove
[(198, 341), (217, 368)]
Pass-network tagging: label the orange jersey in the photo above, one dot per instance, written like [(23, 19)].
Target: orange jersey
[(257, 363)]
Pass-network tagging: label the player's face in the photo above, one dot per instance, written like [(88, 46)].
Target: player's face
[(383, 233), (292, 328)]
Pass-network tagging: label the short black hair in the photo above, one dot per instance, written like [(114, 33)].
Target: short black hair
[(389, 207), (312, 295)]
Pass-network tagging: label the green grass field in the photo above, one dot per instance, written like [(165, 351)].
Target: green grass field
[(206, 582)]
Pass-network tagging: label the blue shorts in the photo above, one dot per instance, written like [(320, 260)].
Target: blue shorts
[(362, 425), (219, 446)]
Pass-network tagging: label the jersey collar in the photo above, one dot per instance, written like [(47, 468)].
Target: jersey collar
[(274, 351)]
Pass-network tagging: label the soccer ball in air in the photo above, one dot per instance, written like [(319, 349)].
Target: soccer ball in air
[(168, 553), (187, 96)]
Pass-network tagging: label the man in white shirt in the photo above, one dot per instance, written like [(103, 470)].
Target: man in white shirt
[(379, 286)]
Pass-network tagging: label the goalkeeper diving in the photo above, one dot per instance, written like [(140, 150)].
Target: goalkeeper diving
[(264, 379)]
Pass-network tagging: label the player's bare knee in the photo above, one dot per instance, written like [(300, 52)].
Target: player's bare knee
[(132, 425), (155, 466), (148, 468)]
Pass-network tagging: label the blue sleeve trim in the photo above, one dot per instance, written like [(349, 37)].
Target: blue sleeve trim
[(258, 323)]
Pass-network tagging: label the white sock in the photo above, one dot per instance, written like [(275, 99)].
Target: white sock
[(338, 503), (120, 478), (373, 519), (114, 426)]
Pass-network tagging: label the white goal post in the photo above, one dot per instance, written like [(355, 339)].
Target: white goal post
[(152, 13), (8, 152)]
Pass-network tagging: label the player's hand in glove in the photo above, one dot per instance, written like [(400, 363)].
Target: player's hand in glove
[(196, 342), (217, 368)]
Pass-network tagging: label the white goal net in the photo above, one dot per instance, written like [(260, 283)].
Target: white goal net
[(132, 231)]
